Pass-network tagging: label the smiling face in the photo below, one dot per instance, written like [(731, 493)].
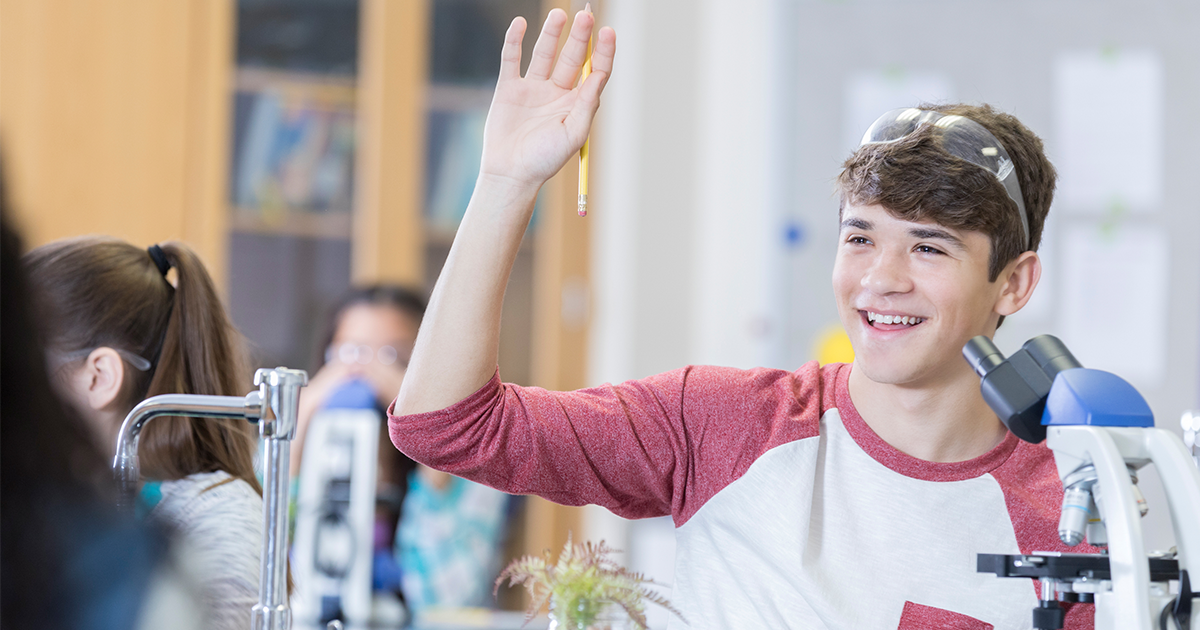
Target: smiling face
[(910, 295)]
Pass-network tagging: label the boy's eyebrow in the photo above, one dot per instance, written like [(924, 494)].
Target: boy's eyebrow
[(916, 232), (937, 233), (857, 223)]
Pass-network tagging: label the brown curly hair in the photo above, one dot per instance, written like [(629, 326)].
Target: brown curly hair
[(914, 179)]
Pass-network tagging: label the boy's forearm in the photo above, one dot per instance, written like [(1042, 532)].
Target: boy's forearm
[(458, 345), (534, 125)]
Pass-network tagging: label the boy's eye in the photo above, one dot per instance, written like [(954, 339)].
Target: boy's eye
[(926, 249), (858, 240)]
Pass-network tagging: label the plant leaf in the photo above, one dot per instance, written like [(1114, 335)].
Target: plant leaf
[(583, 578)]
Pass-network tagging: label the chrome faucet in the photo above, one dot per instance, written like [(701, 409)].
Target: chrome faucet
[(274, 407)]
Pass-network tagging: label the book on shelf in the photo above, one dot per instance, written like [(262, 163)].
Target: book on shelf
[(293, 143), (455, 147)]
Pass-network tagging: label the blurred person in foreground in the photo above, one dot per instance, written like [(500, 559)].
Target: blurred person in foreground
[(437, 537), (119, 331), (837, 496), (69, 559)]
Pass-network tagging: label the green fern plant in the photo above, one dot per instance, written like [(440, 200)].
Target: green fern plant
[(581, 583)]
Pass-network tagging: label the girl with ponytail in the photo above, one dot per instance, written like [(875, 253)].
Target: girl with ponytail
[(118, 331)]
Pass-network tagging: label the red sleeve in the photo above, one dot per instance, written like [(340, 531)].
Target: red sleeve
[(656, 446)]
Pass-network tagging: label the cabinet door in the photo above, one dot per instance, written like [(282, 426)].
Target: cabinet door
[(114, 117)]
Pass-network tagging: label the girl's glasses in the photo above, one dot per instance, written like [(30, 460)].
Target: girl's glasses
[(361, 354), (59, 359)]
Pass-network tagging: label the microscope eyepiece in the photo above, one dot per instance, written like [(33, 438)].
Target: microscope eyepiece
[(1016, 387), (1051, 355), (983, 355)]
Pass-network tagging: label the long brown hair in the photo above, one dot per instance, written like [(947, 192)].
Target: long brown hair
[(101, 291)]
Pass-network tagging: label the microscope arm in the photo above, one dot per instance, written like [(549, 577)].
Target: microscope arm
[(1181, 480), (1078, 445)]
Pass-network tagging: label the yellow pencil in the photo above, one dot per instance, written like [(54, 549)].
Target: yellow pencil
[(583, 151)]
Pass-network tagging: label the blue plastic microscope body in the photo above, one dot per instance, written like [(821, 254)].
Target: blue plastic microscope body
[(353, 394), (1083, 396)]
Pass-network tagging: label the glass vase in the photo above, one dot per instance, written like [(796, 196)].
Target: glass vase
[(588, 615)]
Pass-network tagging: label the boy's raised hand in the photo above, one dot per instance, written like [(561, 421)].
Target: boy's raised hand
[(537, 122), (534, 126)]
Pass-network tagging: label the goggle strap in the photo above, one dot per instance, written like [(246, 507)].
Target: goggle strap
[(1013, 187)]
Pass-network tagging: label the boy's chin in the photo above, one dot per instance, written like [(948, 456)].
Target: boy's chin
[(890, 372)]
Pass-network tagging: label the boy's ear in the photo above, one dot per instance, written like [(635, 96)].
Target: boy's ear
[(103, 375), (1018, 280)]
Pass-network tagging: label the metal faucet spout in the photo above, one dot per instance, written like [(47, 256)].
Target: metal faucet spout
[(126, 466)]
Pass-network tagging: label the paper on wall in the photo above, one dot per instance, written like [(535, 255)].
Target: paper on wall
[(870, 94), (1115, 299), (1108, 143)]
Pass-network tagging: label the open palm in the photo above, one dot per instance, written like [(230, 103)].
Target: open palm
[(537, 122)]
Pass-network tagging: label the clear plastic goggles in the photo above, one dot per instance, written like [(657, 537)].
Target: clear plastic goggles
[(962, 138)]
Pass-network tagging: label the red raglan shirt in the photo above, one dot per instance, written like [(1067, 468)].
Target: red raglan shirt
[(790, 512)]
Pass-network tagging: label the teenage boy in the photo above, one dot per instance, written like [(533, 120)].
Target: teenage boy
[(841, 497)]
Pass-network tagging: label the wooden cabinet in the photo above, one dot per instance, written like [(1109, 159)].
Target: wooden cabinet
[(389, 240), (119, 118), (114, 119)]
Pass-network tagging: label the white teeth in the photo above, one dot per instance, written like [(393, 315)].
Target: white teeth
[(893, 319)]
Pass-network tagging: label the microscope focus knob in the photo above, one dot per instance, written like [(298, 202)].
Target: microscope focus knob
[(1049, 616)]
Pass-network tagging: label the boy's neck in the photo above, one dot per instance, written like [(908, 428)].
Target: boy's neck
[(946, 421)]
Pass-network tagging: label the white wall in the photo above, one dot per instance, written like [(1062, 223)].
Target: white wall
[(725, 124)]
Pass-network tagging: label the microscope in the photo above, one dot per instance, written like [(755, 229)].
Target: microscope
[(274, 408), (335, 516), (1101, 432)]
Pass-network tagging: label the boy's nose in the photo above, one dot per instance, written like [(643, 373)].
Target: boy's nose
[(887, 273)]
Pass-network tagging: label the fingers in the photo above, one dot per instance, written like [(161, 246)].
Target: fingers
[(605, 50), (547, 43), (579, 120), (574, 52), (510, 54)]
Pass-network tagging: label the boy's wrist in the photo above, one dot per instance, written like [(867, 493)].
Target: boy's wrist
[(506, 188), (504, 200)]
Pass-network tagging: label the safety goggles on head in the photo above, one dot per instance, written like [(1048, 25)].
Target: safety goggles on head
[(961, 137)]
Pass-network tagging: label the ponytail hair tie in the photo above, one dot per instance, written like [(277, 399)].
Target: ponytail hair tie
[(160, 259)]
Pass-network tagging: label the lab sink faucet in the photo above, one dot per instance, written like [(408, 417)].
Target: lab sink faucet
[(273, 406)]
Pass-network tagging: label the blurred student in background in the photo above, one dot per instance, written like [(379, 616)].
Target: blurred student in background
[(69, 560), (443, 532), (117, 332)]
